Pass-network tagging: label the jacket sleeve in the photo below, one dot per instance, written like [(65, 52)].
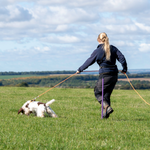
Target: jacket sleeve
[(122, 60), (91, 60)]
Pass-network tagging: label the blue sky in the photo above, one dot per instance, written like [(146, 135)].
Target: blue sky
[(47, 35)]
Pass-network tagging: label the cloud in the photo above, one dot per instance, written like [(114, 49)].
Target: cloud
[(143, 27), (107, 5), (144, 47), (36, 21), (61, 27), (63, 15), (39, 20), (60, 39), (18, 14), (14, 13), (41, 50), (68, 30), (125, 6)]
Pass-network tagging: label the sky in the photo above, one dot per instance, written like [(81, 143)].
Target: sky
[(49, 35)]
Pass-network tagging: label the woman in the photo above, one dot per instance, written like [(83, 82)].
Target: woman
[(105, 55)]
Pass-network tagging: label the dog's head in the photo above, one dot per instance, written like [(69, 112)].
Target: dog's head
[(21, 110), (24, 108)]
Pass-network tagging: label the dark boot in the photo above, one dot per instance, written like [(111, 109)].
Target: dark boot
[(107, 110)]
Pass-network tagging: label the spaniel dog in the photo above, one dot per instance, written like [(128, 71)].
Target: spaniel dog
[(38, 108)]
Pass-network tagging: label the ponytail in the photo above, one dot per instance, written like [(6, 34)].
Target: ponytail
[(104, 39)]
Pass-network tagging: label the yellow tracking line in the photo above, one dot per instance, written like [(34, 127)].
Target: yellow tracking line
[(76, 73), (55, 85), (135, 90)]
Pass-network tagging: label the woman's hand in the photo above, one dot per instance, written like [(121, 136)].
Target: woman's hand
[(122, 71), (77, 72)]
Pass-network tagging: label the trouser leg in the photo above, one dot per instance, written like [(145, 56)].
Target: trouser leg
[(109, 84)]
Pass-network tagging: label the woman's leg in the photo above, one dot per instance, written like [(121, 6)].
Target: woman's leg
[(109, 84)]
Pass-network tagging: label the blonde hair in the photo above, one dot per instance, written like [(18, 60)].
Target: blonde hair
[(104, 39)]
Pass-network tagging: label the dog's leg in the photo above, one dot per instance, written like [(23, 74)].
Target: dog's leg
[(40, 113), (50, 112)]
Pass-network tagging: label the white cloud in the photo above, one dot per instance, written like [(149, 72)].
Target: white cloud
[(36, 21), (124, 43), (63, 15), (107, 5), (60, 39), (43, 49), (143, 27), (14, 14), (62, 27), (18, 14), (144, 47), (128, 5), (70, 28), (68, 39)]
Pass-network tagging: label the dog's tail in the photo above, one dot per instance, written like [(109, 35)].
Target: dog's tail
[(50, 102)]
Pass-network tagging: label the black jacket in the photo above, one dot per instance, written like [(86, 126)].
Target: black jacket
[(98, 56)]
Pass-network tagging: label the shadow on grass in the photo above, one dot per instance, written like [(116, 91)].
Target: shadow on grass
[(33, 115)]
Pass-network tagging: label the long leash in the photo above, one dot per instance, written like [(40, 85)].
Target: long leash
[(135, 90), (55, 86), (129, 83), (59, 84), (92, 71)]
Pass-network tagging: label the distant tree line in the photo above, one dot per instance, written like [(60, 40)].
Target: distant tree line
[(37, 72), (121, 76), (136, 83), (82, 81), (143, 75), (79, 81)]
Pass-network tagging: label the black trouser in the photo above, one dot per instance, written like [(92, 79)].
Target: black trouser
[(109, 84)]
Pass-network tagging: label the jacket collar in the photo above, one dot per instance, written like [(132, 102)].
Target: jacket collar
[(99, 45)]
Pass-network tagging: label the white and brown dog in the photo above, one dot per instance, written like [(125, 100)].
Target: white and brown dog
[(38, 108)]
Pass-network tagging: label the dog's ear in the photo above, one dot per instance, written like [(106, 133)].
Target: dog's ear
[(20, 110)]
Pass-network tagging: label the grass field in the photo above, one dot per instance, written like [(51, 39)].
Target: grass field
[(79, 125)]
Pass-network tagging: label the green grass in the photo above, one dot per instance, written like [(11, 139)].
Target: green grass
[(79, 125)]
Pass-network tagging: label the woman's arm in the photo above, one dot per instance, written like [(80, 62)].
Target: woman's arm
[(91, 60), (122, 60)]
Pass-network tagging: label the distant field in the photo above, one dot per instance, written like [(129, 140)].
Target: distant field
[(41, 76), (29, 76), (131, 79), (79, 125), (15, 76)]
